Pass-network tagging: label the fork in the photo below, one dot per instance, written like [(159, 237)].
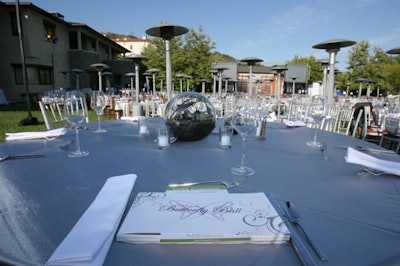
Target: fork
[(10, 157), (370, 171)]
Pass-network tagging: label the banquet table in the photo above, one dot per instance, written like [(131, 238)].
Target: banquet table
[(354, 216)]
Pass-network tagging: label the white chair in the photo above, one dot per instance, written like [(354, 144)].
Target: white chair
[(344, 119), (54, 109)]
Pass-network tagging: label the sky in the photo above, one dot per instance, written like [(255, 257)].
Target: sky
[(274, 31)]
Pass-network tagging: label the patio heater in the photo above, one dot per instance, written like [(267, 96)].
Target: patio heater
[(279, 70), (99, 67), (361, 80), (219, 74), (136, 60), (395, 50), (251, 61), (180, 77), (77, 72), (167, 32), (332, 47), (153, 72)]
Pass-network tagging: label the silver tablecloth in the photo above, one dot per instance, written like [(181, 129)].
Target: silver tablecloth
[(355, 218)]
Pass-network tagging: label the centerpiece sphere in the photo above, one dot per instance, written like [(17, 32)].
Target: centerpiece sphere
[(190, 116)]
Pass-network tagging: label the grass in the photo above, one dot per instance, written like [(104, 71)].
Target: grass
[(13, 113)]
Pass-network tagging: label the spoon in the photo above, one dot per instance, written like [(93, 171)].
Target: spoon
[(9, 157), (294, 218)]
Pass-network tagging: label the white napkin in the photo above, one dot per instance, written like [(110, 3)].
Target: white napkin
[(91, 237), (53, 133), (356, 157), (130, 118), (297, 123)]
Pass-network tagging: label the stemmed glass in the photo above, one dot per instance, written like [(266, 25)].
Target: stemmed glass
[(98, 102), (318, 114), (244, 122), (74, 112)]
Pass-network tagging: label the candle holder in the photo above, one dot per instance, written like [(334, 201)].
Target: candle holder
[(225, 136), (163, 139), (143, 126)]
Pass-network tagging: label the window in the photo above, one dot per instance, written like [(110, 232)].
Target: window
[(14, 24), (73, 40), (36, 75), (88, 43)]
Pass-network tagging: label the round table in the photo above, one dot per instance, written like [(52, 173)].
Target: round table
[(354, 217)]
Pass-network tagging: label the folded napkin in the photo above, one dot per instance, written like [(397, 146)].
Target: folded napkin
[(356, 157), (130, 118), (91, 237), (53, 133), (297, 123)]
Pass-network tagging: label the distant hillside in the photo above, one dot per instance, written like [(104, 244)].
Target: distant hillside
[(114, 36)]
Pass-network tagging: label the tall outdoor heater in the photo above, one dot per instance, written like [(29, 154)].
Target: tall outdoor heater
[(325, 66), (279, 70), (136, 60), (395, 50), (153, 72), (214, 73), (107, 74), (203, 85), (131, 75), (180, 76), (294, 85), (251, 61), (64, 74), (161, 83), (361, 80), (100, 67), (332, 47), (167, 32), (219, 73), (77, 72)]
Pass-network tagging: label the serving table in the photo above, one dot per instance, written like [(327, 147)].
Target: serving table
[(354, 216)]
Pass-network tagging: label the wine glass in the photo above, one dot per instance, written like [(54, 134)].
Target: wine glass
[(74, 112), (318, 114), (98, 101), (244, 122)]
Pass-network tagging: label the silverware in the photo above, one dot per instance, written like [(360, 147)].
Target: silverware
[(301, 251), (294, 218), (217, 182), (324, 152), (360, 148), (13, 157)]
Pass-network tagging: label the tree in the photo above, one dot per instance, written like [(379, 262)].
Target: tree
[(377, 66), (191, 54)]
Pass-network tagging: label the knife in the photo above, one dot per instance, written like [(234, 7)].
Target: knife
[(294, 218), (302, 253), (359, 148)]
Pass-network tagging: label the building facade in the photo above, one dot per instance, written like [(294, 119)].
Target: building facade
[(52, 48)]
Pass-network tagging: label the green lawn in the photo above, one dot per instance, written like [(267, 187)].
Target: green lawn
[(12, 114)]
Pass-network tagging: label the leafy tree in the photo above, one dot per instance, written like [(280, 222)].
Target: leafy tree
[(376, 66)]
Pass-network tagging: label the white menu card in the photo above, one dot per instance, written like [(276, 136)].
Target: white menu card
[(202, 217)]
